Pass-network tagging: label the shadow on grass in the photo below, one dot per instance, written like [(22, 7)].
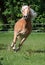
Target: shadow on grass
[(35, 51), (1, 60), (3, 46), (0, 63)]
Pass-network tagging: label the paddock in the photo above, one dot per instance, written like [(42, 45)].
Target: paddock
[(31, 53)]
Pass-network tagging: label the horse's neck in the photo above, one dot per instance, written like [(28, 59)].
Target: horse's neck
[(28, 20)]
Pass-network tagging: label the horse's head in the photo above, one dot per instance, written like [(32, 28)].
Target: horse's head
[(25, 10)]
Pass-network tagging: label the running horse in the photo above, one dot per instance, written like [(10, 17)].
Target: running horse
[(23, 26)]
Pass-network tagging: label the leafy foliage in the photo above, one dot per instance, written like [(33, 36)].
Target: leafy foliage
[(11, 10)]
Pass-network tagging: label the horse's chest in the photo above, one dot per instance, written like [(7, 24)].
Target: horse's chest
[(26, 29)]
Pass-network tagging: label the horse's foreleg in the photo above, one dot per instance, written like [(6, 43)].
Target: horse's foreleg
[(13, 45)]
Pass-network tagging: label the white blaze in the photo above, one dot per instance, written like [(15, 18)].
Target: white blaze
[(24, 7)]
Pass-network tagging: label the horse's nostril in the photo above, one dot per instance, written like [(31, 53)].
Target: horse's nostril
[(25, 16)]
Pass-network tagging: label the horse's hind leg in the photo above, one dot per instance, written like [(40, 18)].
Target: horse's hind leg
[(20, 44), (13, 45), (22, 41)]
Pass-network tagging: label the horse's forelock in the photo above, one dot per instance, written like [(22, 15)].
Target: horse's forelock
[(23, 7)]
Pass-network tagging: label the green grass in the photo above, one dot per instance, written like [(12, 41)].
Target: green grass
[(27, 55)]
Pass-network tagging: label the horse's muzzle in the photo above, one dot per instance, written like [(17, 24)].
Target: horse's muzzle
[(25, 17)]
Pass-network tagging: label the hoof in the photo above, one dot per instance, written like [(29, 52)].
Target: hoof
[(17, 49), (12, 46)]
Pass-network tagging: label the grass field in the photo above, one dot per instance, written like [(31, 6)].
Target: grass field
[(31, 53)]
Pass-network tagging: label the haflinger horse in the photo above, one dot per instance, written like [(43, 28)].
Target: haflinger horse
[(23, 26)]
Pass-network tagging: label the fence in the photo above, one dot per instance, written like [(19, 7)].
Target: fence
[(36, 27)]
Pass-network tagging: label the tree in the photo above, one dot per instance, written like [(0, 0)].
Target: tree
[(10, 11)]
